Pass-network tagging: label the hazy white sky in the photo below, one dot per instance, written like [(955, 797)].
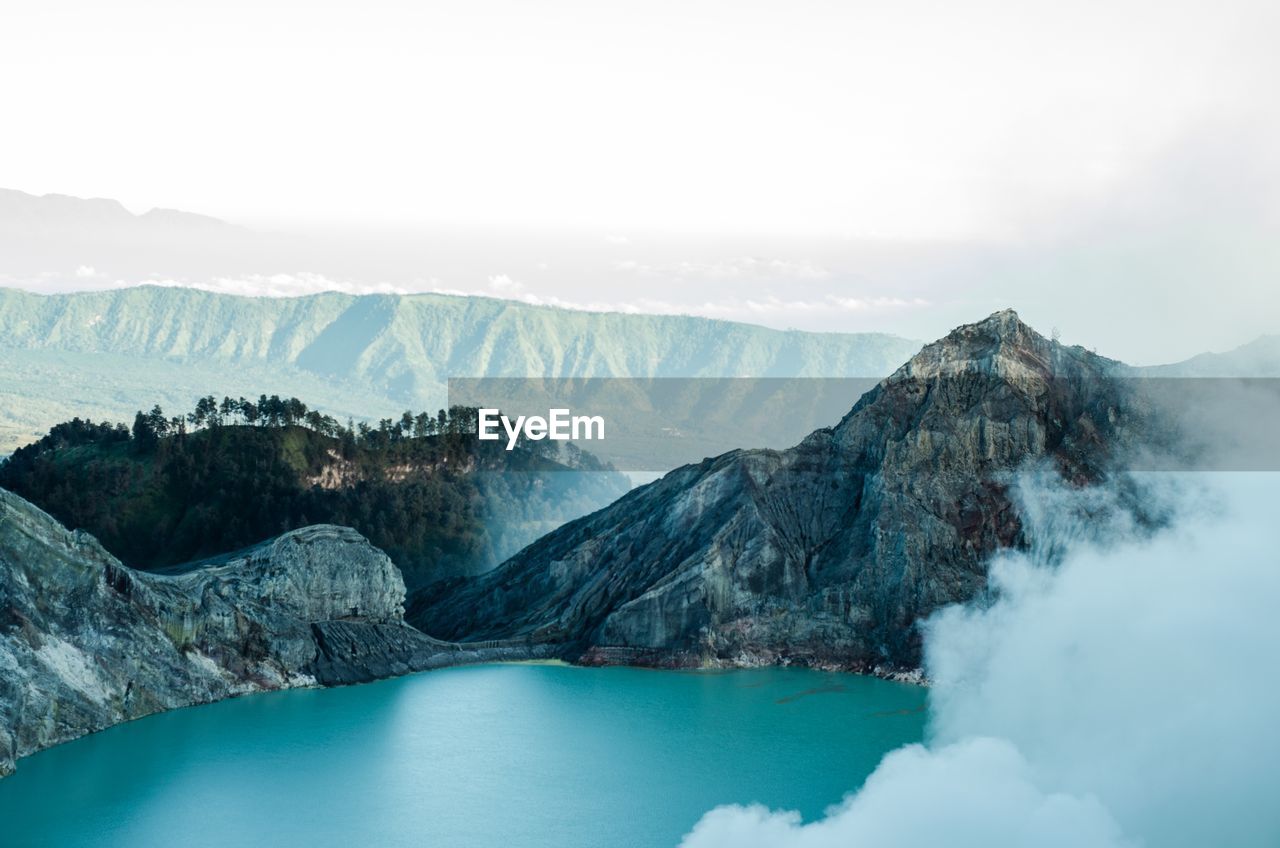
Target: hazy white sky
[(909, 119), (1110, 167)]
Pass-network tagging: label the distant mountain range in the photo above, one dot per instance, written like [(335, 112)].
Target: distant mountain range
[(109, 353), (69, 243), (61, 215), (1258, 358)]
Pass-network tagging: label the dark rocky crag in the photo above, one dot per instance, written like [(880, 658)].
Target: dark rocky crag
[(830, 552), (86, 642)]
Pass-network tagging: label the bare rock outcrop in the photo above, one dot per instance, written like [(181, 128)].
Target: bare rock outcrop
[(830, 552), (86, 642)]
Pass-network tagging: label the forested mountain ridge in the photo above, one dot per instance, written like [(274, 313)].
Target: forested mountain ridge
[(168, 490), (365, 356), (448, 335)]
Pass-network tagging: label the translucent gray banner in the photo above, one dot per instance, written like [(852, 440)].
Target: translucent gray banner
[(654, 425)]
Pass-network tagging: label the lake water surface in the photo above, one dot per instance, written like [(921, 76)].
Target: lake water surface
[(544, 756)]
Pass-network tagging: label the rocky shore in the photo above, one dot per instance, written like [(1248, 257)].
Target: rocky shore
[(86, 642)]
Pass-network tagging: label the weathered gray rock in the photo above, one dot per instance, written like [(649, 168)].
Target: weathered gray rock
[(86, 642), (827, 553)]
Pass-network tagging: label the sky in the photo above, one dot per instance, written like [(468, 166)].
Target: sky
[(823, 165)]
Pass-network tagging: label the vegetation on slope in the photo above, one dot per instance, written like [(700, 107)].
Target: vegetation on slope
[(169, 490)]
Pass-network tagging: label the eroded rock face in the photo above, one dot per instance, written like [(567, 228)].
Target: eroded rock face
[(86, 642), (827, 553)]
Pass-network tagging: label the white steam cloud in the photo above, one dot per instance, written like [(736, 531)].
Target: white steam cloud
[(1124, 696)]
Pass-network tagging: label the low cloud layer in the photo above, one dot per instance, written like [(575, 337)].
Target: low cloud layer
[(272, 285), (767, 309), (1117, 692)]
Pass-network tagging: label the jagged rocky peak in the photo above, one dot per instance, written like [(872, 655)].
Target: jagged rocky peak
[(828, 553), (1000, 345), (315, 573), (991, 393)]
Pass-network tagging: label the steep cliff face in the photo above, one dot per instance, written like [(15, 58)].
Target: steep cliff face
[(86, 642), (827, 553)]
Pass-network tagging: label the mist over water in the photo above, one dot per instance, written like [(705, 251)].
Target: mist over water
[(1116, 687)]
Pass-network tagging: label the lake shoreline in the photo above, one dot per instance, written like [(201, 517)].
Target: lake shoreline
[(459, 655)]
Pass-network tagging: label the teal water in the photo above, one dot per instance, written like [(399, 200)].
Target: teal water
[(517, 756)]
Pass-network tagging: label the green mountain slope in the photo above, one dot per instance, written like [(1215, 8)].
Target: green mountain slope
[(106, 354)]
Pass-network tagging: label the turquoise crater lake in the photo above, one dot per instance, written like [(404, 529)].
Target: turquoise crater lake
[(498, 755)]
